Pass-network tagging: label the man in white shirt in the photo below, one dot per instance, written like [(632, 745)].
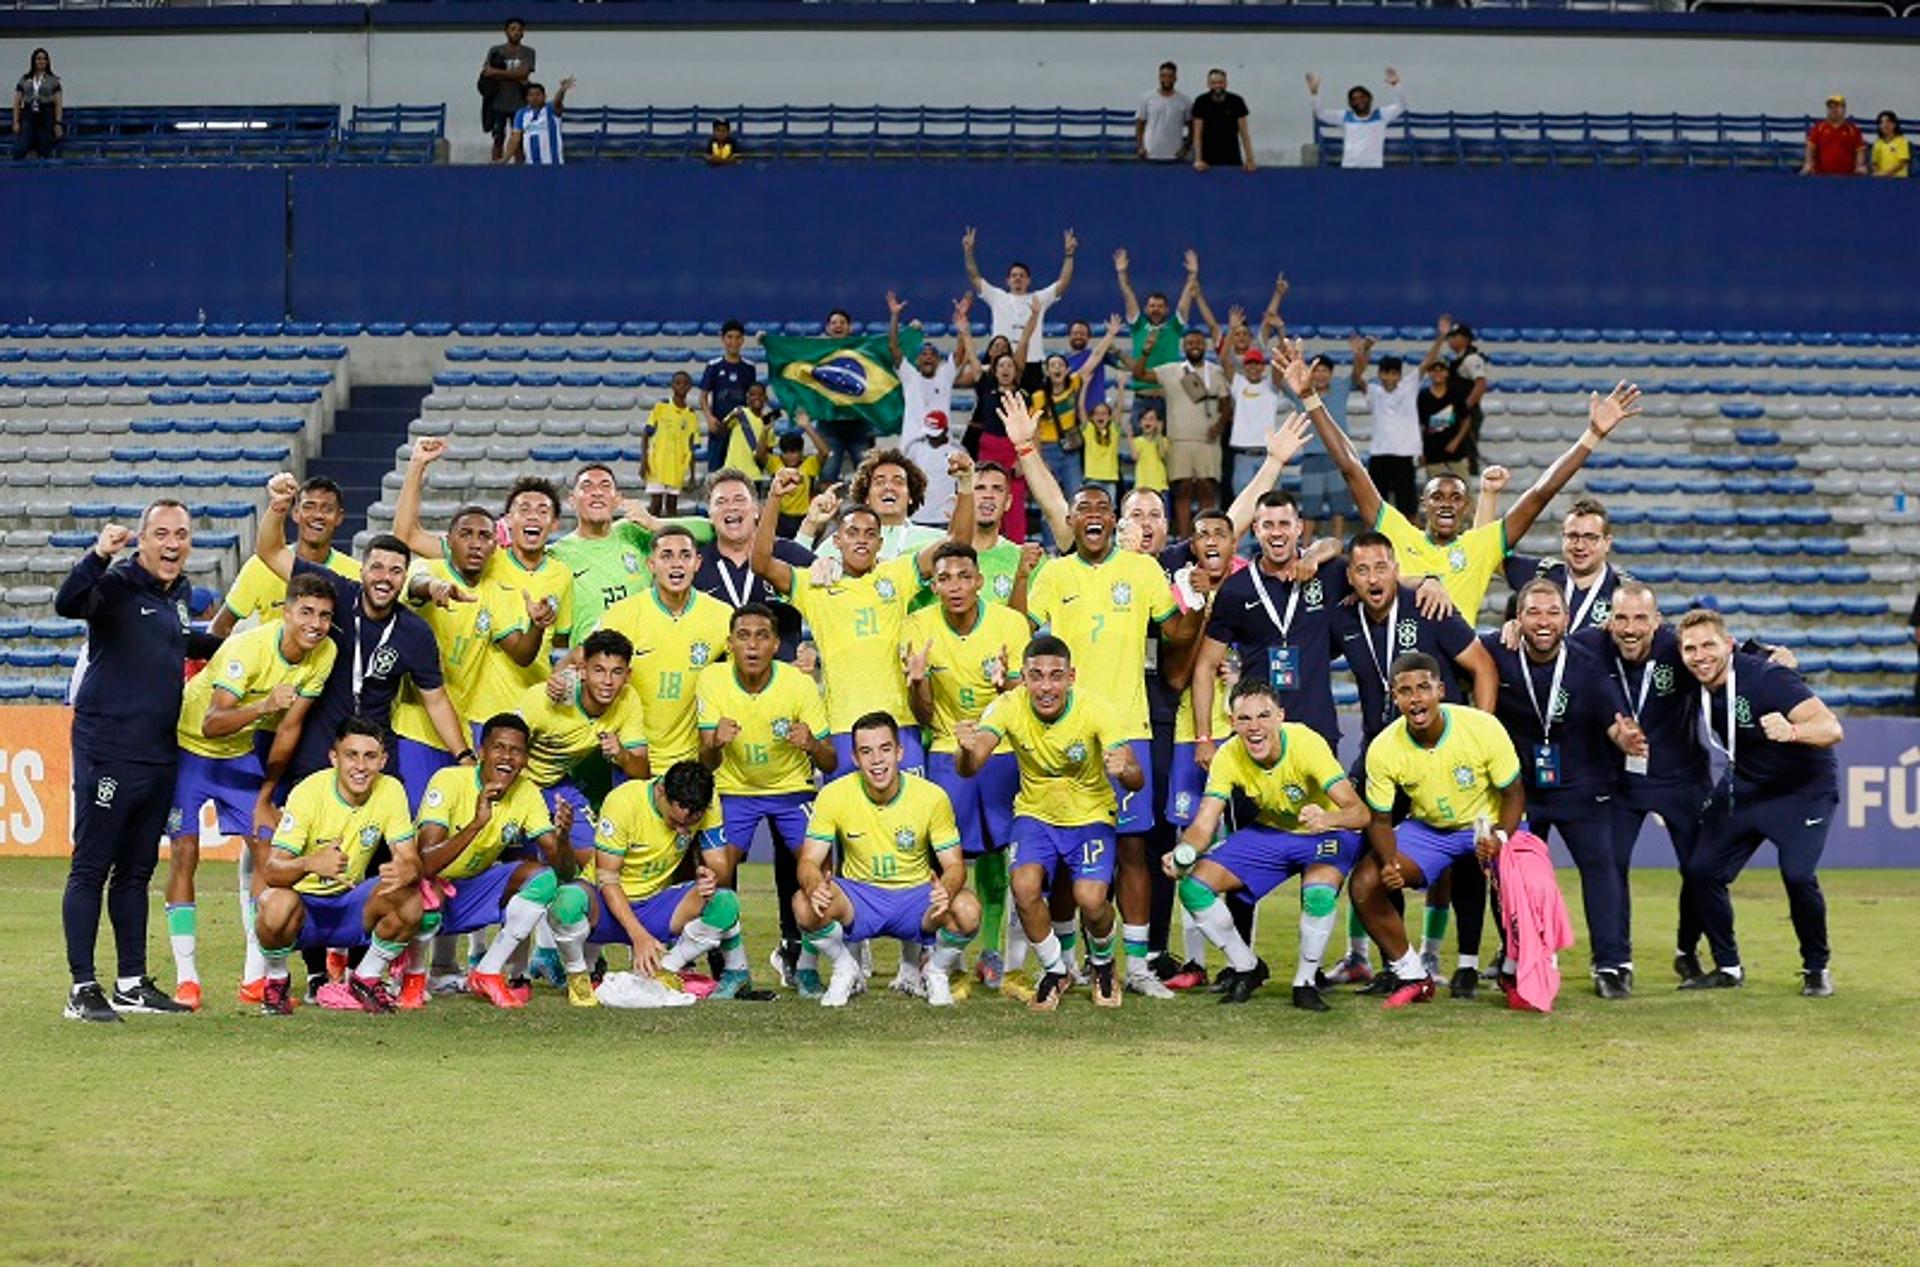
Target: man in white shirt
[(1160, 133), (1363, 129), (1393, 459), (926, 400), (1256, 407), (535, 135), (1019, 304)]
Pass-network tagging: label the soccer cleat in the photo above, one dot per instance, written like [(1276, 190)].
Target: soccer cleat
[(1816, 983), (939, 990), (492, 987), (1164, 966), (546, 967), (1222, 980), (960, 986), (337, 996), (910, 982), (580, 990), (1411, 992), (1144, 982), (447, 983), (317, 979), (782, 964), (276, 997), (1353, 970), (336, 965), (840, 987), (1107, 991), (1244, 983), (1308, 999), (1718, 979), (1687, 966), (991, 970), (1508, 984), (807, 984), (1465, 983), (1383, 983), (413, 992), (371, 993), (253, 992), (1609, 984), (1046, 995), (521, 989), (737, 983), (149, 998), (1017, 985), (1192, 976), (89, 1003)]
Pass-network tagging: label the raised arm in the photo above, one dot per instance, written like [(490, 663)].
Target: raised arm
[(1604, 413), (1299, 380), (270, 539), (1332, 118), (1206, 310), (1432, 358), (1190, 287), (1486, 507), (1396, 104), (895, 306), (1270, 319), (960, 524), (975, 282), (1283, 442), (1060, 283), (1130, 304), (777, 571), (1362, 349), (1018, 420), (79, 595), (1095, 358), (406, 508), (966, 367)]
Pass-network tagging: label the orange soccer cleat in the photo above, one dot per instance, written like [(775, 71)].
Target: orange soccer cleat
[(493, 987), (187, 995), (413, 992)]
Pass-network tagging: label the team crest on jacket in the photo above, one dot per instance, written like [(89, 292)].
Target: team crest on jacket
[(699, 653), (1742, 711), (1122, 593), (903, 837), (1076, 751), (1457, 558), (1315, 595), (884, 588), (1663, 678), (1408, 635), (1463, 775)]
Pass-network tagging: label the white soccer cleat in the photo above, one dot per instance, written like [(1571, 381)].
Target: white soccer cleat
[(1142, 981), (447, 983), (631, 990), (939, 990), (910, 982), (841, 986)]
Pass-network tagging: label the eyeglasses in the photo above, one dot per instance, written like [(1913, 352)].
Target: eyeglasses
[(1583, 538)]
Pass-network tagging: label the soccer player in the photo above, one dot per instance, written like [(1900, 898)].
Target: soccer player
[(606, 554), (317, 891), (646, 828), (959, 656), (475, 828), (763, 731), (888, 483), (576, 743), (1073, 750), (1458, 771), (1558, 707), (666, 447), (1780, 785), (318, 511), (1587, 579), (264, 679), (886, 823), (1463, 559), (1307, 823)]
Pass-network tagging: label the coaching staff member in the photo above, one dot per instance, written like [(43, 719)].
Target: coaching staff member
[(124, 714)]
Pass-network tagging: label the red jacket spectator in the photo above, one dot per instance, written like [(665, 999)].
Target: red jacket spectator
[(1834, 145)]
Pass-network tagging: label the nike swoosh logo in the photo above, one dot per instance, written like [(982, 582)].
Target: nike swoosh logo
[(1071, 598), (148, 611), (1250, 606), (640, 651), (1815, 822), (582, 572), (853, 835)]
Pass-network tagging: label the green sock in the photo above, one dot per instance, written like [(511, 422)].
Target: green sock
[(990, 886), (183, 920), (1100, 949), (1433, 928), (1356, 932)]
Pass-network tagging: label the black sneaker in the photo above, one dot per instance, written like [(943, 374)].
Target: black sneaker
[(1626, 975), (1464, 984), (1609, 984), (1046, 995), (89, 1003), (147, 997), (1222, 981), (1687, 966), (1308, 999), (1164, 966), (1718, 979), (1383, 983), (1816, 983), (1245, 983)]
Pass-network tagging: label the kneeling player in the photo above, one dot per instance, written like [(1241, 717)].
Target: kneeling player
[(886, 823), (1459, 770), (1308, 824), (317, 894), (646, 827), (1072, 750)]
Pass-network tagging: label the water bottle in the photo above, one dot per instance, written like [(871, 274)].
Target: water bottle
[(1184, 856)]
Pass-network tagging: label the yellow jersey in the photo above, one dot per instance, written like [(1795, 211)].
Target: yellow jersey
[(1300, 777), (464, 632), (1104, 612), (889, 845), (959, 668), (633, 830), (1150, 463), (796, 500), (1450, 784), (758, 761), (564, 735), (317, 816), (1062, 417), (669, 652), (519, 818), (856, 623), (1888, 155), (249, 665), (1222, 715), (502, 682), (1100, 455), (671, 430), (1464, 566), (258, 592), (744, 428), (1063, 770)]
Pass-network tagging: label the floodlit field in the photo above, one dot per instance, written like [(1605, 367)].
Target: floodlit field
[(1744, 1127)]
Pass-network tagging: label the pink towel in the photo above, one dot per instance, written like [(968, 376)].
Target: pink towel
[(1534, 917)]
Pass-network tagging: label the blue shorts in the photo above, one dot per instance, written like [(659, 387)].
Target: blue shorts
[(1264, 858), (785, 812), (231, 783), (1323, 490), (913, 753), (654, 913), (339, 920), (414, 764), (883, 912), (581, 835), (982, 805), (477, 902), (1186, 783), (1137, 813), (1431, 849), (1086, 852)]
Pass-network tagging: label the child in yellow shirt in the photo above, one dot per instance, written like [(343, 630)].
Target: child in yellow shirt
[(1149, 450), (793, 505), (667, 449)]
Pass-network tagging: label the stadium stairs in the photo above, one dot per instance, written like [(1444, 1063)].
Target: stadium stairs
[(359, 450)]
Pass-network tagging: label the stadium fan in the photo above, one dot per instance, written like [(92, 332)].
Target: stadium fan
[(1252, 381), (1149, 322), (723, 149), (1891, 154), (723, 389), (1395, 449), (1019, 308), (926, 403), (1199, 410), (1363, 129), (1323, 493), (1467, 366), (534, 138), (39, 109), (504, 74), (1221, 138), (1081, 360), (1160, 125), (1834, 144)]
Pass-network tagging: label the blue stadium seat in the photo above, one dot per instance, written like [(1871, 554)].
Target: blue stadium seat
[(1765, 605), (1749, 576), (1864, 605)]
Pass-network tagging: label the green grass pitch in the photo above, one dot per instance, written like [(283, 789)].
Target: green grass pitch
[(1749, 1127)]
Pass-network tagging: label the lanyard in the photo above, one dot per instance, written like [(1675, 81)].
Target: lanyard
[(1553, 692), (1706, 713), (1646, 680), (1266, 601), (737, 595), (1380, 665), (360, 665), (1593, 595)]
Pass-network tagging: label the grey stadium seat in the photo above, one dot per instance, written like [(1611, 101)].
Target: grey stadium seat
[(616, 402), (10, 453), (1826, 411), (444, 402), (66, 426), (127, 397), (1891, 573), (1864, 410), (87, 397), (30, 595), (513, 453), (29, 538), (23, 426), (520, 427), (46, 398), (1834, 485), (1785, 410), (474, 426), (485, 402), (527, 402), (607, 428), (26, 476), (571, 402), (564, 427)]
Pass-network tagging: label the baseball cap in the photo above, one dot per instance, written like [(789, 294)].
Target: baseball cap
[(1254, 356), (1836, 96)]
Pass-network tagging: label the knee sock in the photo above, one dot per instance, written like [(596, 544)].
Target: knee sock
[(1358, 945), (1193, 942), (1433, 929), (1319, 906), (183, 930), (520, 919), (256, 962), (445, 954), (1135, 938), (1100, 950), (990, 886), (695, 940), (1064, 933), (1017, 943), (947, 949), (1216, 923), (1050, 954), (570, 939), (543, 938), (274, 963), (830, 943), (380, 954)]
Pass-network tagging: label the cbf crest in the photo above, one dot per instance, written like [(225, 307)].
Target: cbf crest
[(884, 588), (180, 610), (1663, 679), (1463, 776), (1407, 635), (1742, 711), (1457, 558), (631, 562), (904, 838), (699, 653), (384, 661), (1315, 595), (1561, 702), (1076, 751), (1122, 593), (1296, 793), (1003, 587), (369, 836), (511, 835), (782, 727), (483, 623)]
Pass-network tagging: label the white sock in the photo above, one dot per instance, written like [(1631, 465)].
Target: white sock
[(1433, 946), (521, 918), (373, 964), (1048, 953), (126, 983), (1065, 934), (1216, 922), (543, 938), (733, 950), (571, 941), (476, 946), (944, 957), (1315, 930), (695, 940), (1408, 966), (419, 953), (1134, 938), (830, 943), (1193, 942), (185, 945), (808, 960), (1468, 961), (909, 957), (1017, 944), (273, 965), (256, 963)]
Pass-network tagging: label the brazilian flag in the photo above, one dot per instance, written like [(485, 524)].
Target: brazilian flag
[(840, 378)]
